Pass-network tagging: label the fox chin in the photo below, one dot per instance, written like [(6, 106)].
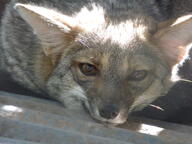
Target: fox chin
[(111, 59)]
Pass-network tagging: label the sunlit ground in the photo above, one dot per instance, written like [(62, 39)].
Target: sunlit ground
[(14, 111), (10, 110), (151, 130)]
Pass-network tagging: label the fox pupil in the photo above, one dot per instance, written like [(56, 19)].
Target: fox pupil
[(88, 69)]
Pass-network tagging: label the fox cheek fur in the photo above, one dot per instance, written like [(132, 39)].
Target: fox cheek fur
[(113, 68)]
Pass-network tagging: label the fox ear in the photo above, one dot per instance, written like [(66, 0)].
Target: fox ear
[(55, 30), (173, 40)]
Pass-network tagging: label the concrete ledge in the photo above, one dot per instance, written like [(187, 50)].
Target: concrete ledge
[(37, 120)]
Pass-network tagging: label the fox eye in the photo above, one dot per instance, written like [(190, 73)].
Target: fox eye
[(138, 75), (88, 69)]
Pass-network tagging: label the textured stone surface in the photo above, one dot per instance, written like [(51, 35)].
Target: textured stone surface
[(28, 119)]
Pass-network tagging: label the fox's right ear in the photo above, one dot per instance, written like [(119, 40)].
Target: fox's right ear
[(55, 30)]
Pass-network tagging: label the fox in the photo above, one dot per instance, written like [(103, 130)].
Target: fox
[(108, 57)]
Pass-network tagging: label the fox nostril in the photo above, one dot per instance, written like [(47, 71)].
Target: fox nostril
[(109, 111)]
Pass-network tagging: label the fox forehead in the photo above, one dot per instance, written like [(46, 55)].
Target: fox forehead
[(124, 33), (97, 21)]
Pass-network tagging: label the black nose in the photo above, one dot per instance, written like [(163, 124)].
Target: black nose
[(109, 111)]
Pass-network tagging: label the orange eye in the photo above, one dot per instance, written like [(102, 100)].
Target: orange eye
[(138, 75), (88, 69)]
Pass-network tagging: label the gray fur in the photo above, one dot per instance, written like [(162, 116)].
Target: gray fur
[(20, 48)]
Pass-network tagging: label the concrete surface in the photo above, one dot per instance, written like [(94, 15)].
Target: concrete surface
[(29, 119)]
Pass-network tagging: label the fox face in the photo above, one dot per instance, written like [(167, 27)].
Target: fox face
[(110, 67), (120, 81)]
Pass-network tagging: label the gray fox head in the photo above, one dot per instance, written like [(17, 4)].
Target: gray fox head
[(112, 67)]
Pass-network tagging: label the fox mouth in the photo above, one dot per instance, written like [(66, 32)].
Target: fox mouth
[(120, 118)]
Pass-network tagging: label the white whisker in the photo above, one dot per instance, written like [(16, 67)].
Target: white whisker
[(157, 107), (185, 80)]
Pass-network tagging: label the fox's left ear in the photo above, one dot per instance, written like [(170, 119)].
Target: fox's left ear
[(55, 30), (173, 40)]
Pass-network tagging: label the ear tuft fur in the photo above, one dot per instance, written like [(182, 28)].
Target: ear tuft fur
[(174, 39), (55, 30)]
